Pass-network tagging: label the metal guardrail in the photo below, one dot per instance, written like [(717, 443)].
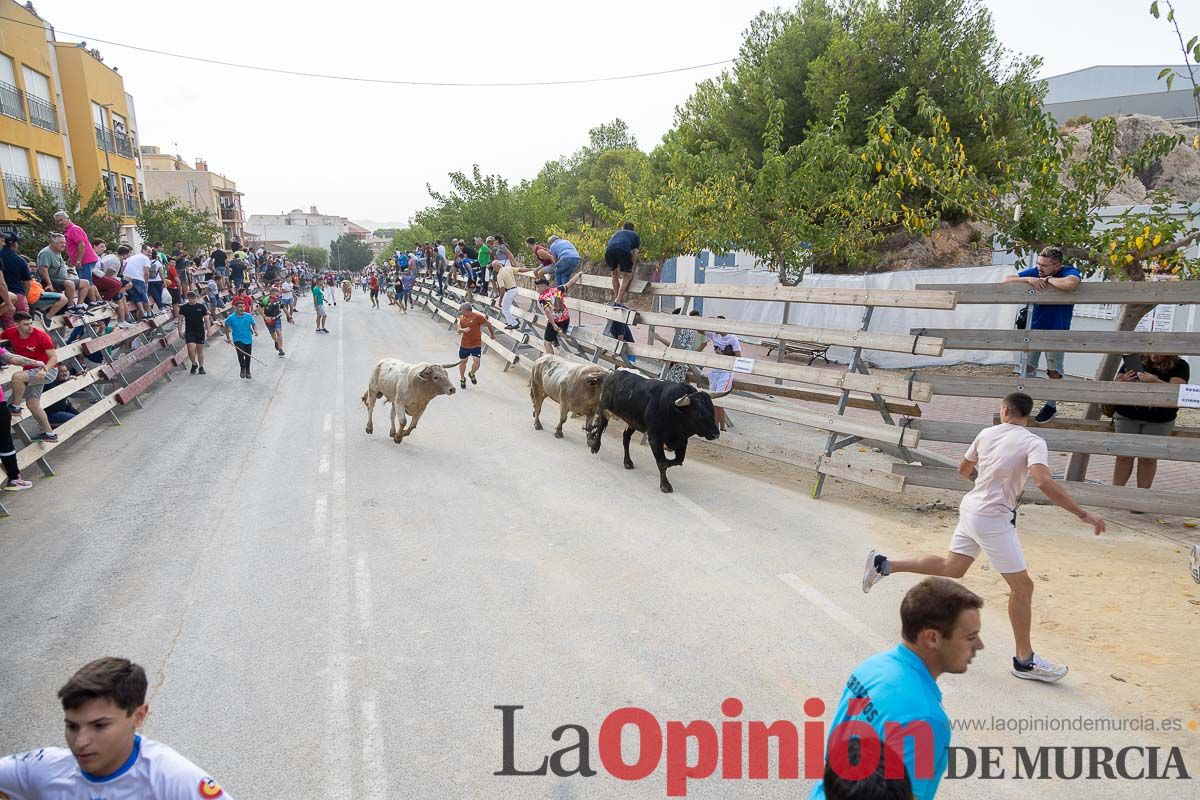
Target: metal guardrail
[(104, 139), (42, 113), (13, 184), (10, 101)]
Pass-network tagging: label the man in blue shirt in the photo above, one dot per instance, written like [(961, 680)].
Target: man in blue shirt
[(240, 330), (1050, 273), (621, 256), (896, 694), (566, 259)]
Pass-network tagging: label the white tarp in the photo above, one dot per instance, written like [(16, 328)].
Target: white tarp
[(885, 320)]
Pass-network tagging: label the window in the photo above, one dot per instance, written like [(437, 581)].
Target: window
[(104, 137), (98, 115), (10, 95), (15, 163), (41, 103), (49, 168)]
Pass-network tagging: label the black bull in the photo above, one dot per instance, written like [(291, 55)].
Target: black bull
[(668, 413)]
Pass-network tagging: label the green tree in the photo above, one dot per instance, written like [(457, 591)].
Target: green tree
[(169, 221), (39, 204), (315, 257), (346, 252)]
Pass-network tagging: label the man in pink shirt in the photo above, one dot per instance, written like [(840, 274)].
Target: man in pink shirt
[(80, 253), (999, 460)]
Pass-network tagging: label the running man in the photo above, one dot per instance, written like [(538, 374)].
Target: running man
[(287, 299), (621, 256), (195, 329), (374, 286), (470, 325), (319, 306), (273, 321), (104, 704), (1000, 457), (329, 282), (407, 279), (240, 331)]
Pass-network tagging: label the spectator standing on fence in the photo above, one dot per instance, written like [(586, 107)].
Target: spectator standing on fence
[(485, 264), (240, 330), (896, 690), (1001, 457), (17, 278), (195, 330), (35, 345), (1049, 274), (506, 293), (80, 253), (217, 260), (1147, 420), (155, 277), (135, 271), (470, 325), (566, 259), (104, 704), (545, 259), (553, 302), (621, 256)]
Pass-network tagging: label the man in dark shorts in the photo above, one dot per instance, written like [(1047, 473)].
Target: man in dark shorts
[(470, 325), (218, 265), (553, 300), (194, 330), (273, 318), (621, 255), (374, 284)]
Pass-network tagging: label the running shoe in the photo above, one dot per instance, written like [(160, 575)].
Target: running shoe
[(462, 382), (18, 485), (124, 324), (282, 354), (871, 574), (194, 368), (1038, 669), (16, 411), (47, 437), (471, 375), (1047, 413), (201, 371), (1196, 563)]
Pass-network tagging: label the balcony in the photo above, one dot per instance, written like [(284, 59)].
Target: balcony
[(133, 205), (57, 190), (42, 113), (231, 215), (10, 101), (124, 145), (104, 139), (13, 184)]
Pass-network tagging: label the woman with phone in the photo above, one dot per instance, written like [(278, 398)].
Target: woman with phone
[(1146, 420)]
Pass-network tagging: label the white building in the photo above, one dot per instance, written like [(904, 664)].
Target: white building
[(1112, 90), (309, 228)]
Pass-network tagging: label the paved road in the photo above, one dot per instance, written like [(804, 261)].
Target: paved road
[(325, 614)]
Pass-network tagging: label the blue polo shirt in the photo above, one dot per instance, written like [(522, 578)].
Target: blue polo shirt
[(1052, 318), (899, 690), (561, 248), (624, 241), (240, 328)]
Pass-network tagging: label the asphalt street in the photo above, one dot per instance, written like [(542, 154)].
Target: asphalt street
[(326, 614)]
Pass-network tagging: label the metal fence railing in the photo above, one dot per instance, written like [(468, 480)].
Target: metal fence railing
[(10, 101), (42, 113), (13, 184), (104, 139)]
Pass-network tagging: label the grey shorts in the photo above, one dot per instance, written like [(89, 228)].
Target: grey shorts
[(33, 389), (319, 308), (1126, 425)]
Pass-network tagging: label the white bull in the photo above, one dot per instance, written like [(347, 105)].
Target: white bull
[(574, 386), (409, 388)]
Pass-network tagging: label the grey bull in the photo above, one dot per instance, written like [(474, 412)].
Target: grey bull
[(574, 386), (409, 388)]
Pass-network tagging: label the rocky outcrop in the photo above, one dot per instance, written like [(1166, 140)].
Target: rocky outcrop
[(1177, 173), (962, 244)]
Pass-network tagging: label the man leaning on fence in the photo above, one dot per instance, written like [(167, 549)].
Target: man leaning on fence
[(1050, 273)]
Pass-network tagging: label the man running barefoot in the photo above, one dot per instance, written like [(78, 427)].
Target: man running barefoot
[(319, 307), (1001, 457), (194, 330), (470, 325), (104, 704)]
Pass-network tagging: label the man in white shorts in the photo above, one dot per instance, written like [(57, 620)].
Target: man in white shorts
[(1001, 457), (104, 704)]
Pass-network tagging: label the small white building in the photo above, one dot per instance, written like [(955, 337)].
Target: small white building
[(309, 228), (1112, 90)]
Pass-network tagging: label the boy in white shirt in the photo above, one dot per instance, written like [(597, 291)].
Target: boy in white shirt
[(1001, 457), (104, 704)]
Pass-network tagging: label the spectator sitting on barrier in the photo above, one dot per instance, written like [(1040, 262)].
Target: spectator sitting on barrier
[(113, 290), (55, 276), (1147, 420), (8, 451), (26, 340), (1050, 273), (62, 411)]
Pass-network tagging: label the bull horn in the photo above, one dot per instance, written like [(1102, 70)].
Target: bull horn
[(716, 395), (686, 400), (449, 366)]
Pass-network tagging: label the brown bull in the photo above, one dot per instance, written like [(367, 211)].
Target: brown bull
[(574, 386)]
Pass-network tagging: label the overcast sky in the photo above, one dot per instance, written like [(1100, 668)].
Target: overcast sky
[(366, 151)]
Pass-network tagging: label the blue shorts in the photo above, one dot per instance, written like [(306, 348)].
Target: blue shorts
[(464, 352), (136, 293), (285, 301), (85, 271)]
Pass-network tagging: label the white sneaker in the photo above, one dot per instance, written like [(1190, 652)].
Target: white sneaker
[(1039, 670), (871, 576)]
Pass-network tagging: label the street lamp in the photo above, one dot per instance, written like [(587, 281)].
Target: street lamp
[(109, 183)]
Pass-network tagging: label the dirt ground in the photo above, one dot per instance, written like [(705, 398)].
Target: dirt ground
[(1121, 609)]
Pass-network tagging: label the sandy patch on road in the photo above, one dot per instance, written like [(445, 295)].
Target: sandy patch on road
[(1121, 609)]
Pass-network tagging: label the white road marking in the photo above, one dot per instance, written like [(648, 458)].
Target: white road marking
[(375, 768), (320, 519), (834, 611), (699, 513), (362, 592), (327, 423)]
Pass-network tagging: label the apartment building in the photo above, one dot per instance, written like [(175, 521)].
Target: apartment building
[(196, 187), (64, 117)]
